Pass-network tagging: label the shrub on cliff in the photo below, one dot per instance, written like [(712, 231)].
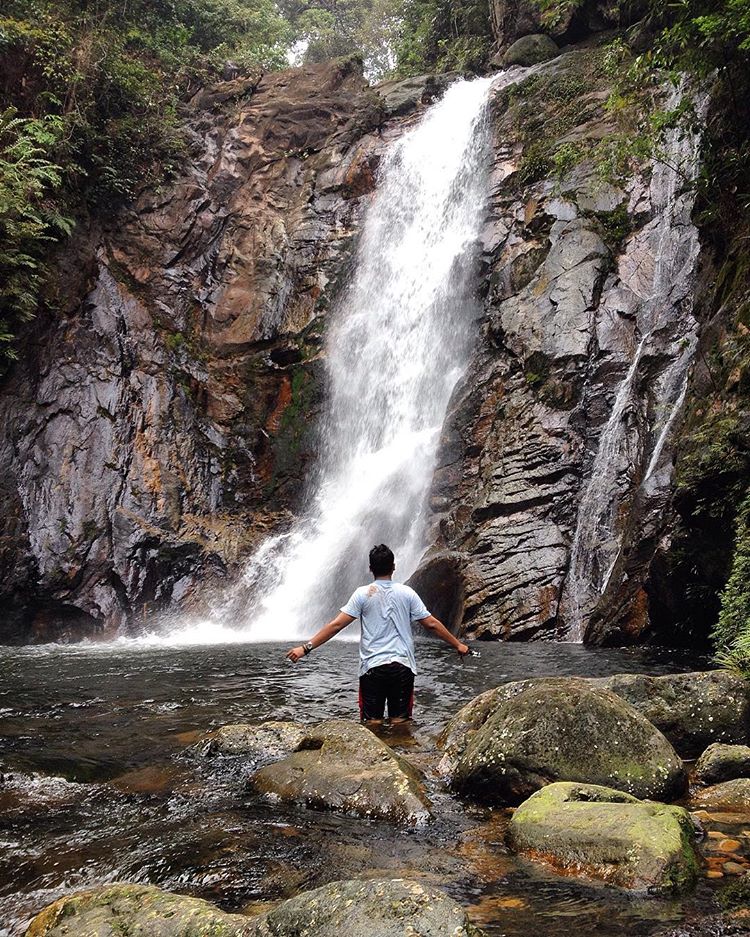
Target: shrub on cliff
[(90, 93)]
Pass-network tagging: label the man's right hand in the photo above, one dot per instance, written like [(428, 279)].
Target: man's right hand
[(463, 649)]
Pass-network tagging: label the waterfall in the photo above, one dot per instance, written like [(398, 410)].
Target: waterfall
[(398, 342), (667, 329)]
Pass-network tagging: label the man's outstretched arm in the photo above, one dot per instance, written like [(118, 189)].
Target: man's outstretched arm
[(325, 634), (438, 628)]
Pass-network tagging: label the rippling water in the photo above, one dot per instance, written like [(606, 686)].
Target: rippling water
[(95, 787)]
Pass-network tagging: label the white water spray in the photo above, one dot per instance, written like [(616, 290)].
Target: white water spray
[(667, 326), (399, 340)]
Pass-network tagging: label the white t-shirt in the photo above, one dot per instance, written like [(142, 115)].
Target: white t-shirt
[(386, 610)]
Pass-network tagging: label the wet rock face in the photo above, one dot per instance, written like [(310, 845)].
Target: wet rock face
[(162, 424), (606, 835), (555, 471), (387, 908), (262, 742), (565, 730), (136, 910), (342, 766), (728, 797)]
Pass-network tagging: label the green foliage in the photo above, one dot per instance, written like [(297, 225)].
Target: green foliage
[(443, 35), (731, 635), (555, 12), (28, 218), (97, 113)]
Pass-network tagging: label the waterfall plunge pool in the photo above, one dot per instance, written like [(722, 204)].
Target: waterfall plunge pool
[(94, 787)]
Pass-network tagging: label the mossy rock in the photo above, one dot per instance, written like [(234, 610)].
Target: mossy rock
[(722, 763), (529, 50), (693, 710), (564, 729), (342, 766), (606, 835), (135, 911), (384, 908)]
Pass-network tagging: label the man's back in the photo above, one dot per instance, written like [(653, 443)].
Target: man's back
[(386, 610)]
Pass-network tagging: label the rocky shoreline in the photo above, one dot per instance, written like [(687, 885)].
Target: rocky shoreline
[(592, 780)]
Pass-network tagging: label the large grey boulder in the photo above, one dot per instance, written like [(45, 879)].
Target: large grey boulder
[(564, 729), (602, 834), (691, 709), (729, 797), (389, 908), (135, 911), (342, 766), (402, 96), (258, 742), (529, 50), (722, 763)]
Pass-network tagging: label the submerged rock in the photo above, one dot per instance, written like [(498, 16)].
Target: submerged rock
[(136, 911), (342, 766), (733, 925), (528, 50), (691, 709), (729, 797), (387, 908), (265, 741), (723, 763), (563, 729), (607, 835)]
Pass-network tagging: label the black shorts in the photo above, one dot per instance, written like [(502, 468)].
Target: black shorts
[(392, 683)]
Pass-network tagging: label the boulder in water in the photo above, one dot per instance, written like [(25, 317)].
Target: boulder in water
[(529, 50), (259, 742), (729, 797), (607, 835), (135, 910), (342, 766), (722, 763), (564, 729), (691, 709), (386, 908)]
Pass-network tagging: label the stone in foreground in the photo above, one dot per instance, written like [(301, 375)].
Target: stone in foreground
[(264, 741), (344, 767), (723, 763), (389, 908), (729, 797), (564, 729), (693, 710), (608, 836), (135, 911)]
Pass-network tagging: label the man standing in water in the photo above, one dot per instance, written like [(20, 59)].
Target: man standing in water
[(387, 663)]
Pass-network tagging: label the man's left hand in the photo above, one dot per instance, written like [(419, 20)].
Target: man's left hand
[(295, 654)]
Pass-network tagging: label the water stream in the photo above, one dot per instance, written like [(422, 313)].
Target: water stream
[(95, 786), (658, 272), (398, 342)]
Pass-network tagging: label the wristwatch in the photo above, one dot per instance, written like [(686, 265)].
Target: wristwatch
[(307, 648)]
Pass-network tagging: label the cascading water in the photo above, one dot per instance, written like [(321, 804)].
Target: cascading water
[(398, 343), (667, 330)]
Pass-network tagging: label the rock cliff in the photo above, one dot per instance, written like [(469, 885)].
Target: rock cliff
[(158, 426), (164, 420)]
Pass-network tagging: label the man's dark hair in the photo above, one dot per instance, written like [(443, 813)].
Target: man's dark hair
[(381, 560)]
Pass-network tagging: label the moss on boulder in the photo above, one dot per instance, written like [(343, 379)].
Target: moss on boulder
[(387, 908), (609, 836), (342, 766), (529, 50), (564, 729), (135, 911)]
